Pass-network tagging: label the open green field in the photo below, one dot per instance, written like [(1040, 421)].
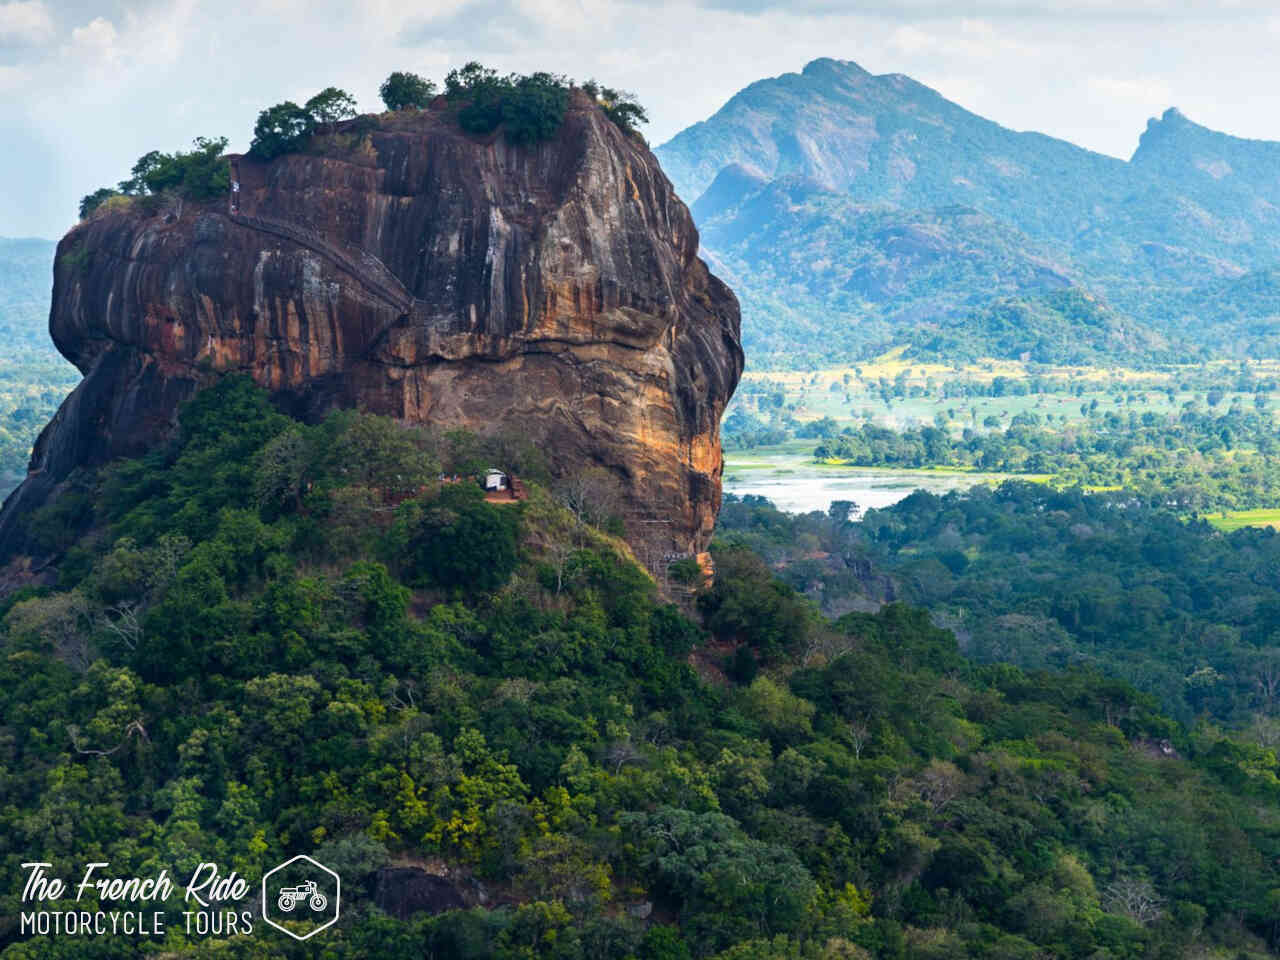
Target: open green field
[(856, 393), (1235, 519), (893, 364), (794, 454)]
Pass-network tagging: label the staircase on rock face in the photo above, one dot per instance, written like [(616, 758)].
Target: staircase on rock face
[(362, 266)]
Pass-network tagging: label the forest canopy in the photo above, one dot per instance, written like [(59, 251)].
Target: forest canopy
[(368, 665)]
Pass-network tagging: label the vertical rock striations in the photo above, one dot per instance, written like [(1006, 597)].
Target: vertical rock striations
[(407, 268)]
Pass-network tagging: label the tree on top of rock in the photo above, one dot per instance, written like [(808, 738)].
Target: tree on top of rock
[(406, 91), (530, 107), (331, 105), (618, 105), (281, 129)]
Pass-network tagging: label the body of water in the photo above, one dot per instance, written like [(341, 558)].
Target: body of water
[(796, 485)]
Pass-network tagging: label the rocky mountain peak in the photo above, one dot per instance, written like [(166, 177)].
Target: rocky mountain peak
[(825, 67)]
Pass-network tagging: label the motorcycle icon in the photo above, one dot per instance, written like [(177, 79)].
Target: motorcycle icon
[(304, 892)]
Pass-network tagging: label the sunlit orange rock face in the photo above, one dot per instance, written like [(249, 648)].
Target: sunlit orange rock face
[(404, 267)]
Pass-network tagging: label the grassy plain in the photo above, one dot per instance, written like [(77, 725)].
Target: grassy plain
[(1235, 519), (854, 393)]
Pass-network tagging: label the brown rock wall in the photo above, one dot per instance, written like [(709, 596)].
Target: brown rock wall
[(420, 272)]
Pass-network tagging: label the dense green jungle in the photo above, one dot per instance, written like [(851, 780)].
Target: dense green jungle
[(336, 668)]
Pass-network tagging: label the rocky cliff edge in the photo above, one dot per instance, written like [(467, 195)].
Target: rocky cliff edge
[(410, 269)]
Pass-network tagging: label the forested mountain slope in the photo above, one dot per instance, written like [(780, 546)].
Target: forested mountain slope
[(884, 208)]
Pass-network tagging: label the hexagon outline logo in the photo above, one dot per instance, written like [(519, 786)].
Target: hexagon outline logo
[(311, 896)]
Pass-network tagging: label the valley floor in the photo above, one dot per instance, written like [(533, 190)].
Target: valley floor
[(1199, 438)]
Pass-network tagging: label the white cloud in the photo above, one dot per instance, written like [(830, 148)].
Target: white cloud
[(1060, 10), (25, 23), (912, 40), (97, 38), (12, 79), (1148, 91), (967, 39)]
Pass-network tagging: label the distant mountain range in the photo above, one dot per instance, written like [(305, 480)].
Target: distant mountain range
[(26, 272), (854, 212), (34, 377), (26, 282)]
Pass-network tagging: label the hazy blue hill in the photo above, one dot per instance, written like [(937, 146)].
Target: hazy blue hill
[(807, 252), (34, 377), (812, 191), (1230, 311), (1064, 326), (1211, 164), (26, 279), (26, 284)]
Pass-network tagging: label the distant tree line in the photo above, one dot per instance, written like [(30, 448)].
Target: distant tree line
[(1192, 462)]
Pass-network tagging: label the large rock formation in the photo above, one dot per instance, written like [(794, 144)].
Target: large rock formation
[(405, 267)]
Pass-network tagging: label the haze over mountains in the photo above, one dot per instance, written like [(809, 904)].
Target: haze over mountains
[(852, 212), (25, 278), (33, 375)]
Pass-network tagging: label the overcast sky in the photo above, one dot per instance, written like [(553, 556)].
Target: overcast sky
[(86, 87)]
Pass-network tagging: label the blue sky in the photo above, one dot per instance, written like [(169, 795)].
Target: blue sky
[(86, 87)]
